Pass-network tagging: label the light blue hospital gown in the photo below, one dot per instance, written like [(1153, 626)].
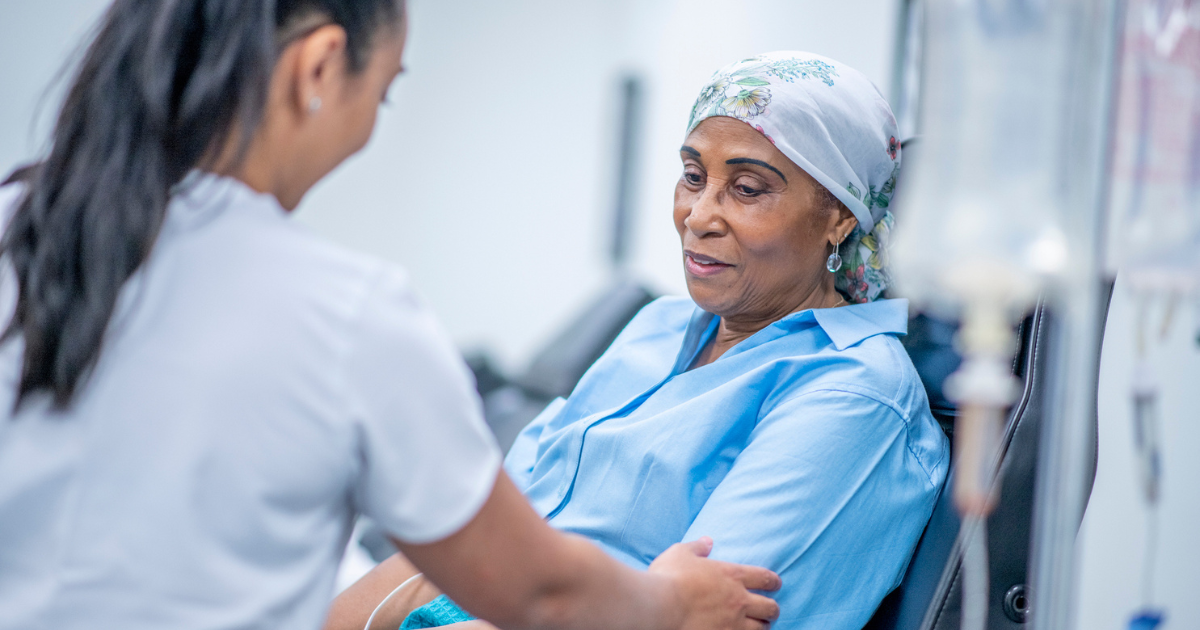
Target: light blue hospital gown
[(807, 448)]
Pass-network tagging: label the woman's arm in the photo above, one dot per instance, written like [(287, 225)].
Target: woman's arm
[(829, 493), (509, 567), (353, 606)]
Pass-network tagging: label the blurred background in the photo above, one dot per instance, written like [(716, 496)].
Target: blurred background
[(495, 177)]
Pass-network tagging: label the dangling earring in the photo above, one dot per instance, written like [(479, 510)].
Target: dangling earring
[(314, 105), (834, 262)]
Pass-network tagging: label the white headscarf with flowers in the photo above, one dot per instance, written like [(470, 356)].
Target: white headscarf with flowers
[(832, 122)]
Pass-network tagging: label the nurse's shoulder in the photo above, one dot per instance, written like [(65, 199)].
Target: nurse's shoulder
[(218, 226), (236, 246)]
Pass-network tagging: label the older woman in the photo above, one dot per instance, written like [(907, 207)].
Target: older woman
[(775, 411)]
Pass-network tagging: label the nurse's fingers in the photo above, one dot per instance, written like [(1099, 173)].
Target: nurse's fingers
[(754, 578), (702, 546), (762, 608), (755, 624)]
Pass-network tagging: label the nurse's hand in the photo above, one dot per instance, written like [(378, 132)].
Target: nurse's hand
[(715, 591)]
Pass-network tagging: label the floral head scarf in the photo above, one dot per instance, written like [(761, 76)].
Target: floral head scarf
[(831, 121)]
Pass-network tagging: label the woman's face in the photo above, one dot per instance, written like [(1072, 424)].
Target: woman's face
[(755, 237)]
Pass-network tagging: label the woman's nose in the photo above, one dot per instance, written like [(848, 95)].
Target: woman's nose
[(706, 215)]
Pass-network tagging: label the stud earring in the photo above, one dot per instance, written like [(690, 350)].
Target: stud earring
[(834, 262), (314, 105)]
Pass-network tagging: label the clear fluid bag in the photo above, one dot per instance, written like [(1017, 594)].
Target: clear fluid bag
[(1154, 237), (979, 220)]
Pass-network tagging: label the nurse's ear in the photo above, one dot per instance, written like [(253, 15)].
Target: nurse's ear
[(318, 70), (321, 108)]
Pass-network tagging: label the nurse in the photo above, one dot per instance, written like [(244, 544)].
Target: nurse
[(202, 395)]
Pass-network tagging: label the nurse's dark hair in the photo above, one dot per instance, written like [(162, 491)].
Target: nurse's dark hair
[(158, 92)]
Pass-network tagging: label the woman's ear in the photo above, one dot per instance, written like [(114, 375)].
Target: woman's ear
[(843, 224), (320, 68)]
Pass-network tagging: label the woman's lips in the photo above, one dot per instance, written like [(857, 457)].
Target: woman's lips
[(703, 266)]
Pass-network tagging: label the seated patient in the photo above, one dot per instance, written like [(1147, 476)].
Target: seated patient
[(775, 411)]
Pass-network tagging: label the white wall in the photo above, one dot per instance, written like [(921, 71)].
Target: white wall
[(1113, 538), (36, 39)]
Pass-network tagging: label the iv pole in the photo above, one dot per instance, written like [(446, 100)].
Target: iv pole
[(1068, 439)]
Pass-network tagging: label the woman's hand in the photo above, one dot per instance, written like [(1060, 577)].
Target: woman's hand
[(714, 593)]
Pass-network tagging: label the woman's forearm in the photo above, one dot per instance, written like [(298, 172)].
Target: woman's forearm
[(353, 606)]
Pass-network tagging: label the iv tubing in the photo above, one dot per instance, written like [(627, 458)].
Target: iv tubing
[(387, 599)]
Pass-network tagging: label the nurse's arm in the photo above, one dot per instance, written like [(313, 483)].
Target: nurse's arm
[(509, 567)]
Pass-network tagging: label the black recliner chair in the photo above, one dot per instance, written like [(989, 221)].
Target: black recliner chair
[(509, 404)]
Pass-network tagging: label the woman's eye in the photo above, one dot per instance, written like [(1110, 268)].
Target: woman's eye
[(748, 191), (692, 178)]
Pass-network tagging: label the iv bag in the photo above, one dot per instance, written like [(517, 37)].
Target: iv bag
[(979, 214), (1155, 195)]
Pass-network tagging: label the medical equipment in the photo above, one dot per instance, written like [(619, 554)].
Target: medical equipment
[(930, 595), (389, 598), (1147, 444), (1155, 240), (1004, 206)]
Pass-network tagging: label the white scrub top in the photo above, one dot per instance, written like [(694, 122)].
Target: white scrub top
[(257, 388)]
